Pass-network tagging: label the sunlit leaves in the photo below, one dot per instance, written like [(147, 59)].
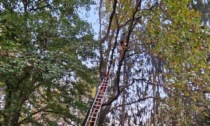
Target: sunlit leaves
[(180, 40)]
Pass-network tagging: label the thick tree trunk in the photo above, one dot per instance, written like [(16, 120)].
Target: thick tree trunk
[(13, 103), (125, 83), (102, 117), (15, 118), (7, 105), (154, 118), (122, 118), (12, 113)]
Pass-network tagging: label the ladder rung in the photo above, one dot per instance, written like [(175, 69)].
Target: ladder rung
[(93, 115), (101, 95), (97, 102), (92, 118), (98, 99), (101, 92), (96, 110), (91, 121), (96, 105), (103, 87)]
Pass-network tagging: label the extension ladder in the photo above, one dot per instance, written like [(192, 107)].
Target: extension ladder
[(96, 106)]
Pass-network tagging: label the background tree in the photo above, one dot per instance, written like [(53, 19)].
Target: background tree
[(204, 7), (166, 61)]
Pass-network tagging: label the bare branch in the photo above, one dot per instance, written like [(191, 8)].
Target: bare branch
[(110, 22), (104, 38), (32, 114), (132, 102), (113, 98)]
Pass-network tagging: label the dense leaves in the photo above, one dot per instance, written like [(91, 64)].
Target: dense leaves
[(41, 43)]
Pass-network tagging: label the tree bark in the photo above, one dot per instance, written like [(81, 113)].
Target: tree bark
[(103, 114)]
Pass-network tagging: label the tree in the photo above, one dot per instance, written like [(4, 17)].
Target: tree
[(184, 46), (166, 54), (204, 8), (43, 47)]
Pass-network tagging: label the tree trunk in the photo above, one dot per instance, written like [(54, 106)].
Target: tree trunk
[(12, 106), (125, 81), (122, 118), (7, 105), (154, 118), (103, 114), (15, 118)]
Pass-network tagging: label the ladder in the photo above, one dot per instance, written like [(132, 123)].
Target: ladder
[(96, 106)]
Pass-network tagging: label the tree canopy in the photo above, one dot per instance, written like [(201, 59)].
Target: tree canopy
[(43, 45), (162, 75)]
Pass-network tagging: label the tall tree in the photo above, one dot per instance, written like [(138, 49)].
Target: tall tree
[(43, 47), (167, 53)]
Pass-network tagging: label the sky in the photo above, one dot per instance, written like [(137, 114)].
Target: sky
[(92, 17)]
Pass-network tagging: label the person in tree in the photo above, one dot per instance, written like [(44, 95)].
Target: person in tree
[(123, 41)]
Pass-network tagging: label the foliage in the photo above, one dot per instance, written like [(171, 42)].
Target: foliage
[(166, 62), (183, 45), (41, 43)]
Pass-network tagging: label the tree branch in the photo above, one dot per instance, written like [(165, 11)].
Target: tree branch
[(132, 102)]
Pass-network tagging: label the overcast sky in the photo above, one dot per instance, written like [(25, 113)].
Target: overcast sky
[(92, 17)]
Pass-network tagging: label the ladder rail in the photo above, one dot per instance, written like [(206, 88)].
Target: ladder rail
[(101, 91), (102, 99), (94, 111)]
